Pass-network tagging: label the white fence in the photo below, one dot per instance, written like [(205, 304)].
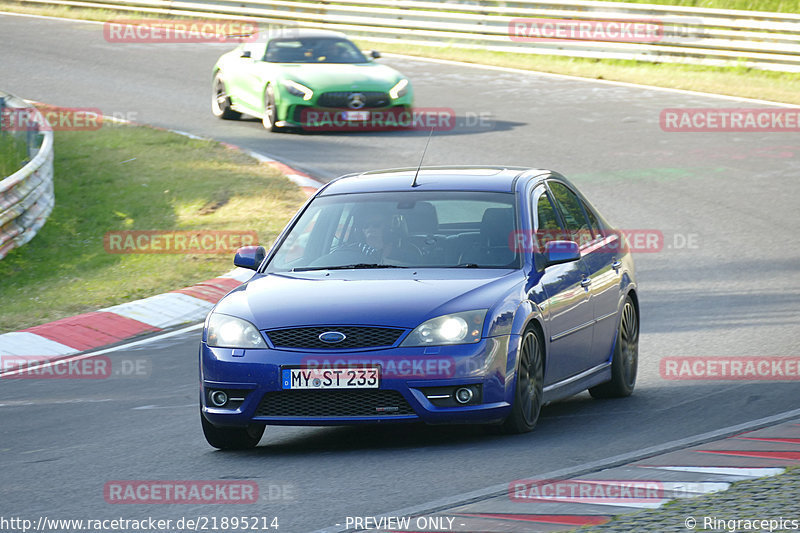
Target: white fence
[(26, 196), (686, 35)]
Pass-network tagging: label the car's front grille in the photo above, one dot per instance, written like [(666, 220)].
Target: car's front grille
[(334, 403), (354, 337), (347, 100)]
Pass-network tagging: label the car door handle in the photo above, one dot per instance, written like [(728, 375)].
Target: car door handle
[(585, 282)]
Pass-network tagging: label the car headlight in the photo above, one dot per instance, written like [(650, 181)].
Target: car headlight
[(298, 89), (457, 328), (223, 331), (400, 89)]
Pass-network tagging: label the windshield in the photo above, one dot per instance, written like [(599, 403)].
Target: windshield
[(402, 229), (313, 50)]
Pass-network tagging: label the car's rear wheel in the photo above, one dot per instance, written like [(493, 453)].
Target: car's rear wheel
[(220, 101), (232, 438), (270, 111), (625, 361), (530, 384)]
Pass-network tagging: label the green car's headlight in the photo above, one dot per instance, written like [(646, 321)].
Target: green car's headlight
[(457, 328), (225, 331), (400, 89), (298, 89)]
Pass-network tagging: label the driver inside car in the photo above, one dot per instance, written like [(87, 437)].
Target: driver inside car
[(381, 236)]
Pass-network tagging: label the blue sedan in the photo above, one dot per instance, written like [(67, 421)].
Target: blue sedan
[(445, 295)]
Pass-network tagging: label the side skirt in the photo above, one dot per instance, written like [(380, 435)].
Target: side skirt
[(577, 383)]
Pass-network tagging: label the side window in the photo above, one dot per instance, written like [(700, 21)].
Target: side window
[(545, 220), (572, 213), (296, 244), (596, 226), (545, 214)]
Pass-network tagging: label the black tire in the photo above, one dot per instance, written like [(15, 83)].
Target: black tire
[(270, 111), (226, 438), (530, 383), (220, 101), (625, 362)]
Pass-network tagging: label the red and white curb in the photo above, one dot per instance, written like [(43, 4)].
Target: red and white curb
[(110, 325), (532, 506), (89, 331)]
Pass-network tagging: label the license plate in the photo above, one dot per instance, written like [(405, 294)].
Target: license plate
[(330, 378), (355, 115)]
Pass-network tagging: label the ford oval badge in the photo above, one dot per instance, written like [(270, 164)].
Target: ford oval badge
[(332, 337)]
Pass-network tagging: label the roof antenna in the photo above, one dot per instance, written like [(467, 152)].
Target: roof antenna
[(414, 181)]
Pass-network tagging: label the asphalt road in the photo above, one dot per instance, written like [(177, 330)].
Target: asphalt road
[(734, 293)]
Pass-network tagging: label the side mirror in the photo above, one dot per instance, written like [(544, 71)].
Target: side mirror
[(558, 252), (249, 257), (374, 54), (245, 53)]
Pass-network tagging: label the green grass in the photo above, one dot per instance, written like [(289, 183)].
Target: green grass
[(780, 6), (75, 12), (135, 178), (13, 153)]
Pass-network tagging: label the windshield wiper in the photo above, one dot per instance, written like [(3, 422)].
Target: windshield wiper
[(467, 265), (347, 267)]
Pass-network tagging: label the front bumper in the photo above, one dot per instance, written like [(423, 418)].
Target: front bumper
[(408, 377), (313, 115)]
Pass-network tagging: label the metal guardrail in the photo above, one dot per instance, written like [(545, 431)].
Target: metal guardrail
[(26, 196), (718, 37)]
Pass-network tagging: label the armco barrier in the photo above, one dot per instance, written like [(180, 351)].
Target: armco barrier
[(26, 196), (708, 36)]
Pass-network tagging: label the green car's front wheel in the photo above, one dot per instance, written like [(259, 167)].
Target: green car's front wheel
[(270, 117), (220, 101)]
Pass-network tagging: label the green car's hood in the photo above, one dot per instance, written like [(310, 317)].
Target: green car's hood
[(341, 76)]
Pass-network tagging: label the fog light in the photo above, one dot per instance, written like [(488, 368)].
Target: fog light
[(463, 395), (219, 398)]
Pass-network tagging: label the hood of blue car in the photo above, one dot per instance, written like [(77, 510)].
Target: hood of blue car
[(342, 76), (401, 298)]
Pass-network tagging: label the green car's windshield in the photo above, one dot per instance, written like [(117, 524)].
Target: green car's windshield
[(313, 50), (450, 229)]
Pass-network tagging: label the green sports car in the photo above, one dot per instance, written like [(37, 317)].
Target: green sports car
[(307, 78)]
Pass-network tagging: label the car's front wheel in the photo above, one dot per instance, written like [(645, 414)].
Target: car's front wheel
[(220, 101), (625, 361), (232, 438), (530, 383), (270, 117)]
